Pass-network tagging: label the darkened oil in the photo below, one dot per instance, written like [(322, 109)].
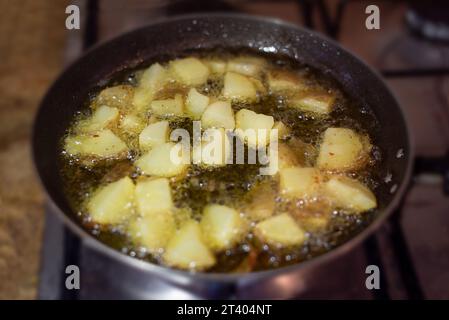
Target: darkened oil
[(232, 185)]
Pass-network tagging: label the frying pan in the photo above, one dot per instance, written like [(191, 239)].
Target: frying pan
[(174, 37)]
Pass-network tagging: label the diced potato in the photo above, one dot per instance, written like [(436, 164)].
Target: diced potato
[(320, 103), (196, 103), (151, 81), (349, 194), (215, 148), (102, 144), (153, 135), (187, 249), (119, 97), (280, 230), (158, 161), (248, 66), (222, 227), (218, 115), (152, 231), (168, 107), (216, 66), (131, 124), (283, 130), (102, 117), (286, 158), (153, 196), (285, 82), (154, 77), (262, 203), (238, 87), (190, 71), (299, 182), (113, 203), (260, 124), (314, 223), (342, 149)]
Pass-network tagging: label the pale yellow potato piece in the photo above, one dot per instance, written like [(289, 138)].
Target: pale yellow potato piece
[(158, 161), (222, 227), (102, 117), (216, 66), (218, 115), (153, 196), (248, 66), (196, 103), (342, 149), (152, 80), (261, 125), (283, 130), (101, 144), (187, 249), (238, 87), (285, 82), (299, 182), (316, 103), (215, 148), (280, 230), (119, 97), (154, 134), (152, 231), (168, 107), (190, 71), (349, 194), (112, 203), (131, 124)]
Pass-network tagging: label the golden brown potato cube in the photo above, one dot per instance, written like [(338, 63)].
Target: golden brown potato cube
[(285, 82), (153, 135), (349, 194), (248, 66), (196, 103), (190, 71), (285, 156), (100, 144), (119, 97), (168, 107), (187, 249), (153, 196), (314, 222), (319, 103), (342, 149), (259, 123), (112, 203), (218, 115), (238, 87), (159, 161), (280, 230), (299, 182), (222, 227), (152, 231), (215, 148)]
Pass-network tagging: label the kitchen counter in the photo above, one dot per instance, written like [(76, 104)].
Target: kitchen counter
[(32, 40)]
